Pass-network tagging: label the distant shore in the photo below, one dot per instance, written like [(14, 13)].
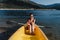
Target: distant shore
[(23, 9)]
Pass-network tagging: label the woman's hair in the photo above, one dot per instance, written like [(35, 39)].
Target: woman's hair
[(30, 14)]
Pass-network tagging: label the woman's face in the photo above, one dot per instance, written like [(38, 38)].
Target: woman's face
[(31, 15)]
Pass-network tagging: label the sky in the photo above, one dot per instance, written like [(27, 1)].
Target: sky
[(46, 2)]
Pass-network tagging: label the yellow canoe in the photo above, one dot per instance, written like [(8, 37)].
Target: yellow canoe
[(20, 34)]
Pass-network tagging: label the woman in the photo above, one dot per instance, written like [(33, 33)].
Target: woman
[(30, 23)]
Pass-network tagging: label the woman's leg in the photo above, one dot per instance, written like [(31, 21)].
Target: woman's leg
[(32, 27)]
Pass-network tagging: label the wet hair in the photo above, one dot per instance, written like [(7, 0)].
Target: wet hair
[(30, 14)]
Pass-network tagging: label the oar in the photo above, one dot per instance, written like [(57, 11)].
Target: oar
[(21, 23), (14, 22)]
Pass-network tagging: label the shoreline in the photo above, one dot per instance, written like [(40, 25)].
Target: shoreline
[(23, 9)]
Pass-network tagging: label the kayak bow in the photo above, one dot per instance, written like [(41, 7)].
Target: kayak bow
[(20, 34)]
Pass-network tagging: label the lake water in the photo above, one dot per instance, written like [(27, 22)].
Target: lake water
[(47, 17), (50, 18)]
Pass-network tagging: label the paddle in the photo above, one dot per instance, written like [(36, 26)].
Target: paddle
[(20, 23)]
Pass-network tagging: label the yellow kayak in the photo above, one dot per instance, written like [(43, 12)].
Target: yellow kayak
[(20, 34)]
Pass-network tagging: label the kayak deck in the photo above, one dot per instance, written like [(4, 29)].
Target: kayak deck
[(20, 34)]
